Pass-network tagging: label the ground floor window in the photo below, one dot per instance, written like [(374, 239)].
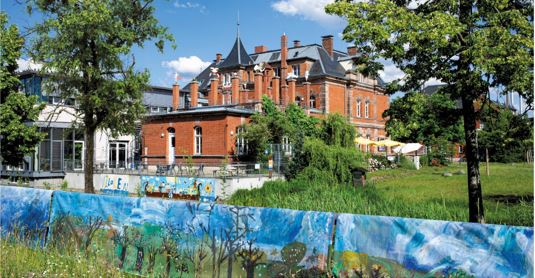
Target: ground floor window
[(62, 149), (242, 147), (117, 154)]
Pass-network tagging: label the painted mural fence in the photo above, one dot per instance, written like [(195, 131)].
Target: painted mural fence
[(160, 237), (24, 212), (202, 189)]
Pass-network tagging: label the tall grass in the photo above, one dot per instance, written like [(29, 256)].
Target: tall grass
[(405, 193)]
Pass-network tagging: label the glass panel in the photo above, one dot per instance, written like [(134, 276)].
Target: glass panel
[(113, 155), (122, 155), (78, 154), (57, 134), (44, 156), (57, 151), (79, 135), (68, 155)]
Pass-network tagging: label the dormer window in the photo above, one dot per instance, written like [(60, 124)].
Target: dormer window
[(296, 70)]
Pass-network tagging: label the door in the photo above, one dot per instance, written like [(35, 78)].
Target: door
[(117, 155)]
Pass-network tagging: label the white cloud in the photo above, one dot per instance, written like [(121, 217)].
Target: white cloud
[(191, 65), (390, 72), (190, 5), (313, 10), (28, 65)]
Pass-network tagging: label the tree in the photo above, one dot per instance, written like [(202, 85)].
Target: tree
[(471, 46), (85, 47), (505, 135), (16, 109), (416, 117), (337, 131)]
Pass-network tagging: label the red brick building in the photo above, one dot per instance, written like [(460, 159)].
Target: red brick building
[(208, 112)]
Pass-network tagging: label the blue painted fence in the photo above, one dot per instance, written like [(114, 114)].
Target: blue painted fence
[(155, 236)]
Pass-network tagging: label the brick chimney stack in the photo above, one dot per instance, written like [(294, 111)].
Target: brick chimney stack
[(284, 67), (257, 86), (327, 42), (291, 91), (260, 48), (212, 95), (352, 50), (275, 88), (297, 43), (176, 96), (235, 88), (218, 57), (194, 94)]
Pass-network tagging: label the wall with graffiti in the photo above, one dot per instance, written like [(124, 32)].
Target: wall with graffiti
[(115, 185), (24, 212), (179, 187), (163, 237)]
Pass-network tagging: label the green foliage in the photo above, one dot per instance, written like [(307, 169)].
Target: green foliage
[(337, 131), (506, 136), (329, 163), (416, 117), (16, 109), (64, 185), (85, 48), (398, 192)]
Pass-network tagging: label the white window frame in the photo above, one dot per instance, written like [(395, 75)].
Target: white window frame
[(286, 145), (154, 109), (367, 109), (359, 104), (312, 102), (242, 146), (197, 140)]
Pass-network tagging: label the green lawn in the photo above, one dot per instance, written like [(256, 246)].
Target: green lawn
[(508, 194)]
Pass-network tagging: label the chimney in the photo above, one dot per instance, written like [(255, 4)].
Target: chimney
[(194, 93), (275, 88), (307, 97), (327, 42), (260, 48), (284, 57), (212, 95), (352, 50), (235, 88), (218, 57), (176, 96), (297, 43), (257, 86), (291, 91)]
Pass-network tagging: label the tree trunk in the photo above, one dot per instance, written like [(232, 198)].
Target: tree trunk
[(230, 261), (475, 199), (88, 159), (123, 256)]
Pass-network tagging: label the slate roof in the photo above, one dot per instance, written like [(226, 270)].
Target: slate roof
[(323, 64), (237, 57)]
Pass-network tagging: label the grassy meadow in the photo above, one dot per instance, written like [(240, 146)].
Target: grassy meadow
[(424, 193)]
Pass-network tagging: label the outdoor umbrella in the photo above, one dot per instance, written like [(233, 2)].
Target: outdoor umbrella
[(363, 141), (388, 143), (407, 148)]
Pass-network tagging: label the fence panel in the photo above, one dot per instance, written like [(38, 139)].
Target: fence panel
[(405, 247)]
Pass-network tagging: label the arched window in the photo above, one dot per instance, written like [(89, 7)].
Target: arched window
[(367, 109), (312, 102), (358, 108), (197, 143), (241, 143)]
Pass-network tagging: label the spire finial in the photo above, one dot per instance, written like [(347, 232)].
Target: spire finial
[(238, 24)]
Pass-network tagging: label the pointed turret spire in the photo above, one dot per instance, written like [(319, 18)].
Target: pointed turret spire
[(238, 56)]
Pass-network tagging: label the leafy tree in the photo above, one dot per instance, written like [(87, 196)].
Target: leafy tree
[(469, 45), (336, 130), (16, 109), (85, 47), (506, 136), (416, 117)]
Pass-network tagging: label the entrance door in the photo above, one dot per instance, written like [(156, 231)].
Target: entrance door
[(171, 146), (78, 155), (57, 156)]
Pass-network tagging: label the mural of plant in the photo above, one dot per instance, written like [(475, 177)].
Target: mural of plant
[(251, 257), (236, 234), (122, 240), (292, 254)]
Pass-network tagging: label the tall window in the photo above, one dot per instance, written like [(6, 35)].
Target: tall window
[(358, 108), (197, 140), (367, 110), (286, 145), (241, 143), (296, 70), (276, 71), (312, 103)]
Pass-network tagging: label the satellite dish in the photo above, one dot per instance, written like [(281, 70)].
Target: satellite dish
[(307, 73), (260, 67)]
